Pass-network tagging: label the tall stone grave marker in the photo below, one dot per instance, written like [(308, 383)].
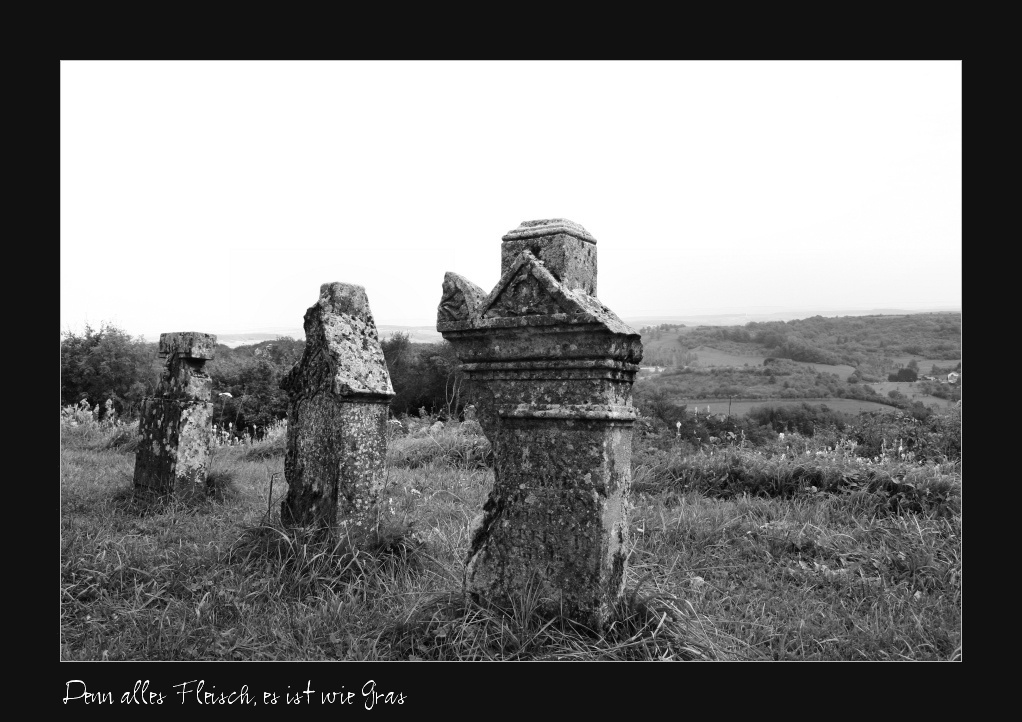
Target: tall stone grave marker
[(552, 370), (337, 414), (176, 424)]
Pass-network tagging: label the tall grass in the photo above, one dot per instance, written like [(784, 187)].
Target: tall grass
[(456, 445), (734, 554), (889, 486)]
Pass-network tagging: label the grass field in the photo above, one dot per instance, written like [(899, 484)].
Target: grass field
[(794, 552)]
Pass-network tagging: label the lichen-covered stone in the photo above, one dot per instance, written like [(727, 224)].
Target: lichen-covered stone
[(551, 369), (460, 299), (337, 414), (566, 248), (188, 344), (175, 428)]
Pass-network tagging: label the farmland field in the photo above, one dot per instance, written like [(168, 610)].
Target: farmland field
[(740, 407), (712, 357), (925, 364), (708, 356), (843, 371), (909, 388)]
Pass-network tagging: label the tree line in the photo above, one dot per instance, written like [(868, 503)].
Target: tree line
[(108, 363)]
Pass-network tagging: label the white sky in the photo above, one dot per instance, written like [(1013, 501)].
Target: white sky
[(218, 196)]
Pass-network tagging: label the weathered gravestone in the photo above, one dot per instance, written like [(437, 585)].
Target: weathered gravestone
[(337, 415), (176, 424), (552, 370)]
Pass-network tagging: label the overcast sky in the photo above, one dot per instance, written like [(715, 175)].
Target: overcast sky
[(218, 196)]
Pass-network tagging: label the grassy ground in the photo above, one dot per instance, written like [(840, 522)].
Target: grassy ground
[(737, 555)]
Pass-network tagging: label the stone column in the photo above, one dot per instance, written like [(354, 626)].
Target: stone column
[(337, 415), (176, 424), (551, 369)]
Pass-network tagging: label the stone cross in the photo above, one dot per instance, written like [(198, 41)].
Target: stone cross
[(176, 424), (551, 369), (337, 415)]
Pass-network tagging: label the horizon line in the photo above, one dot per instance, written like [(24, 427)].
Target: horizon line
[(634, 316)]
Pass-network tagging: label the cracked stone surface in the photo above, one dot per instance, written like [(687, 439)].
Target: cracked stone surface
[(552, 370), (337, 414), (176, 424)]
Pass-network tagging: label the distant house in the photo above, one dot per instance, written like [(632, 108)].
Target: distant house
[(929, 378), (952, 378)]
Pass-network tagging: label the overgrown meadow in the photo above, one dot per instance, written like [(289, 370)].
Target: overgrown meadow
[(834, 547)]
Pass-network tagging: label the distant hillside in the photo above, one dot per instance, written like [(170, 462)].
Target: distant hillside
[(852, 357), (416, 334), (740, 319), (234, 340), (873, 345), (428, 334)]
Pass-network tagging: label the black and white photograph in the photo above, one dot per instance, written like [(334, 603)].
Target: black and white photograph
[(517, 361)]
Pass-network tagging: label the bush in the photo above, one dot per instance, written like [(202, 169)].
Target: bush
[(905, 374), (935, 438), (804, 418)]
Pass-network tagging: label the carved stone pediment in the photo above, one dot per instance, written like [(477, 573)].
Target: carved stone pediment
[(460, 301), (527, 288)]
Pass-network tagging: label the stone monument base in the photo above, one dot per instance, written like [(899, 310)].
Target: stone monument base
[(173, 448)]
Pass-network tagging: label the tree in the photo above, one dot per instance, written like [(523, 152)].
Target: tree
[(107, 364), (424, 375), (905, 374), (447, 365), (251, 375), (659, 405)]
